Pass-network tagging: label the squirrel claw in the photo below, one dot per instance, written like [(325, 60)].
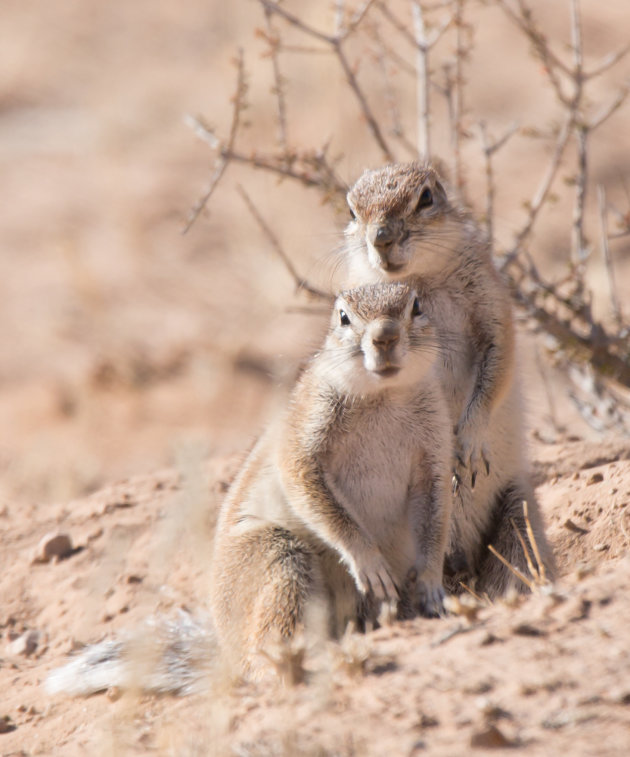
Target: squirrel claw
[(432, 601), (471, 455), (486, 462), (455, 482), (376, 580)]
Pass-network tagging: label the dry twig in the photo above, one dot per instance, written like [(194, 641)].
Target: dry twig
[(223, 158), (561, 308), (300, 282), (336, 43)]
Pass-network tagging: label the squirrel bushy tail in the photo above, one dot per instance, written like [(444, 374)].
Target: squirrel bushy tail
[(164, 655)]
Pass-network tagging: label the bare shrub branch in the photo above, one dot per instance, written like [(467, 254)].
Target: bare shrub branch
[(434, 49), (603, 220), (424, 43), (300, 282), (489, 149), (222, 160), (278, 88), (336, 43)]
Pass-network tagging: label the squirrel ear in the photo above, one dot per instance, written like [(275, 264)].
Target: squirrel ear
[(439, 191), (441, 169), (353, 214)]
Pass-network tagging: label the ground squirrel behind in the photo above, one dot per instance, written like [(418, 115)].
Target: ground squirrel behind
[(407, 225), (346, 500)]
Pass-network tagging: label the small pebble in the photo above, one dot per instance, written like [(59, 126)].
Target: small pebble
[(6, 724), (113, 693), (490, 738), (25, 644), (54, 545), (596, 478)]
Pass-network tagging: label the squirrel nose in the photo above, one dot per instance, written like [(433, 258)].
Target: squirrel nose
[(382, 238), (385, 336)]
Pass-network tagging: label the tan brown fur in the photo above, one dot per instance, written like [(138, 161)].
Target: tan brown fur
[(345, 501)]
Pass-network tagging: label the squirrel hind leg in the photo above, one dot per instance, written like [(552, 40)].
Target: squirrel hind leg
[(495, 578)]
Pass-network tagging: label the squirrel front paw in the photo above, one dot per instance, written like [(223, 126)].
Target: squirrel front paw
[(428, 594), (372, 576), (471, 455)]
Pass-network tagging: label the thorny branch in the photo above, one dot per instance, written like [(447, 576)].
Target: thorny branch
[(310, 168), (278, 88), (489, 148), (336, 43), (222, 160), (562, 309), (423, 44), (300, 283), (603, 220)]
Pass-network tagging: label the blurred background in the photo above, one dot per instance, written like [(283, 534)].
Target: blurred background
[(126, 342)]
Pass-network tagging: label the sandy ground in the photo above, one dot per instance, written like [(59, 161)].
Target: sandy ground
[(543, 675), (129, 349)]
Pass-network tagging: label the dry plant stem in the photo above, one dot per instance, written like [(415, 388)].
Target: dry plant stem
[(548, 393), (423, 45), (339, 16), (608, 111), (489, 149), (223, 157), (423, 85), (472, 593), (369, 117), (315, 172), (336, 43), (576, 121), (396, 23), (543, 190), (511, 567), (458, 95), (607, 62), (525, 22), (278, 88), (397, 127), (605, 353), (541, 573), (530, 565), (579, 243), (603, 220), (300, 283)]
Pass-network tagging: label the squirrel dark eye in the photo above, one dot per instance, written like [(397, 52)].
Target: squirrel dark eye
[(415, 308), (343, 318), (426, 199), (353, 215)]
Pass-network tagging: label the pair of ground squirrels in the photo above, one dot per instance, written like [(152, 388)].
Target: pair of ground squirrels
[(346, 500)]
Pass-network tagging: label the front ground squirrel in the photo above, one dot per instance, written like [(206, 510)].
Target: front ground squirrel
[(407, 226), (345, 501)]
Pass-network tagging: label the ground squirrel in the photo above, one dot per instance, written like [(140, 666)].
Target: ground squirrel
[(407, 226), (343, 502), (347, 497)]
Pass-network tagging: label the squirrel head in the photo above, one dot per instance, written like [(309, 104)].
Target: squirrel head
[(403, 223), (379, 338)]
